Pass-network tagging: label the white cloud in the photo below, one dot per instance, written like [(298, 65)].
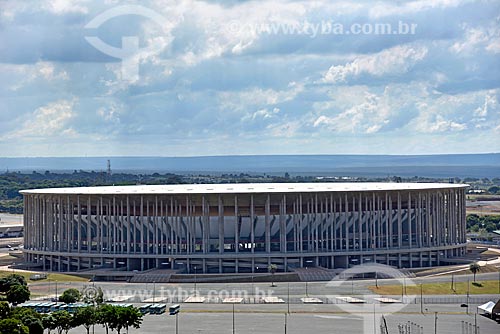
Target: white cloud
[(230, 100), (452, 113), (206, 72), (67, 6), (478, 39), (287, 129), (369, 116), (48, 121), (262, 114), (382, 9), (111, 113), (396, 60), (437, 123), (48, 71), (490, 101)]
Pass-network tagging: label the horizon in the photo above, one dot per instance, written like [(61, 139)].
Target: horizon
[(240, 155)]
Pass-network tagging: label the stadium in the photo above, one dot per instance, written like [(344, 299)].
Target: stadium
[(243, 228)]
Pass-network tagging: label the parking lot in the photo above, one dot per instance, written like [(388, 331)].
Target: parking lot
[(252, 319)]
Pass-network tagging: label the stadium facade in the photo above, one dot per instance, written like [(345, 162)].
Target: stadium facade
[(237, 228)]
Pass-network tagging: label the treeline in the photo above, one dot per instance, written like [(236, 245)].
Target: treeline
[(476, 223), (12, 183), (21, 320)]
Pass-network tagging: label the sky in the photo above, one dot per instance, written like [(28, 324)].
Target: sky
[(189, 78)]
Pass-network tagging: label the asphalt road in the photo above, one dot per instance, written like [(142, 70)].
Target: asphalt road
[(252, 319), (334, 317)]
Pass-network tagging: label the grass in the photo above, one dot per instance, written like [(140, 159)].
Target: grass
[(488, 268), (485, 287), (50, 276)]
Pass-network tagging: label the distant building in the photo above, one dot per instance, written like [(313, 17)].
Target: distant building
[(235, 228)]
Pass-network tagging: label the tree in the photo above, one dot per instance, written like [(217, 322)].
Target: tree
[(130, 317), (63, 321), (106, 316), (13, 279), (474, 267), (30, 318), (272, 269), (86, 317), (94, 298), (12, 326), (18, 294), (70, 296), (4, 310), (34, 325), (494, 190), (49, 322)]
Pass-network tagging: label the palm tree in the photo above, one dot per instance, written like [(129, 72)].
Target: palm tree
[(474, 267), (272, 269)]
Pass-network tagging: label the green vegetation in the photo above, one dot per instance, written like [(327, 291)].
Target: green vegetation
[(272, 269), (51, 276), (460, 288), (70, 296), (474, 267), (86, 317), (12, 182), (118, 317), (14, 289), (19, 320), (476, 223)]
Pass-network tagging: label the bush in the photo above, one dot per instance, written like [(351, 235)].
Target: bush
[(12, 326), (18, 294), (70, 296)]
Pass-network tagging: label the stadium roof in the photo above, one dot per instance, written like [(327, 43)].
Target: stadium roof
[(232, 188)]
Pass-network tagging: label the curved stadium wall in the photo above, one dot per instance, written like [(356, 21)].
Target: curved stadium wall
[(228, 228)]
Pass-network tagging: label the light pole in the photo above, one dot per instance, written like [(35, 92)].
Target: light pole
[(307, 276), (257, 269), (154, 291), (288, 301), (286, 321), (253, 289), (233, 318), (421, 298), (435, 322), (195, 280), (468, 292)]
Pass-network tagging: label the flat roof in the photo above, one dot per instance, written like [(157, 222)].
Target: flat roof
[(238, 188)]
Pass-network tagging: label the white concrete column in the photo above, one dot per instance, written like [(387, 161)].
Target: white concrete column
[(221, 225), (267, 224), (346, 227), (236, 226), (410, 221), (400, 234)]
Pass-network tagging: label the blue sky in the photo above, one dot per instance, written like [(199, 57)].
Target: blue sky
[(250, 77)]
